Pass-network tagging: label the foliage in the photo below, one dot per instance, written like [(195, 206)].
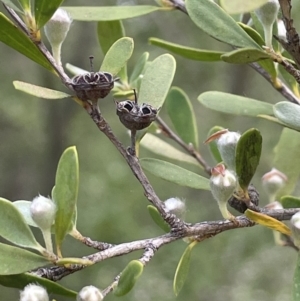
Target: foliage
[(147, 89)]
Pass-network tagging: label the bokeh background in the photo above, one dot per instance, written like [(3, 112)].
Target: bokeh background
[(243, 264)]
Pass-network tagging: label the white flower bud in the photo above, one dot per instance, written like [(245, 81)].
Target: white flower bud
[(89, 293), (295, 227), (226, 143), (175, 206), (56, 30), (281, 30), (267, 15), (43, 211), (34, 292), (273, 181), (274, 206), (222, 184)]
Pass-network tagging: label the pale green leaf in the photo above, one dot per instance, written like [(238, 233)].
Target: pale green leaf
[(44, 9), (75, 70), (16, 260), (174, 173), (288, 113), (234, 104), (13, 37), (139, 67), (19, 281), (24, 208), (241, 6), (128, 278), (155, 215), (289, 201), (244, 56), (13, 227), (65, 192), (117, 55), (38, 91), (183, 268), (188, 52), (213, 20), (182, 115), (157, 80), (110, 13), (108, 33), (162, 148)]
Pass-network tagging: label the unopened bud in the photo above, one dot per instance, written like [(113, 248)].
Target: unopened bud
[(226, 143), (273, 181), (295, 227), (33, 292), (281, 30), (274, 206), (175, 206), (89, 293), (222, 184), (56, 30), (267, 15), (43, 212)]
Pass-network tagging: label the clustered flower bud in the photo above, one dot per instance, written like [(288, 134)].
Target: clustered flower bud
[(267, 15), (89, 293), (273, 181), (43, 212), (222, 184), (33, 292), (175, 206)]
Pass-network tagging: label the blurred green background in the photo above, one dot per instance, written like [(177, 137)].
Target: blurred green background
[(237, 265)]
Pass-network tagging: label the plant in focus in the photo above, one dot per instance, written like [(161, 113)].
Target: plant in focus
[(139, 99)]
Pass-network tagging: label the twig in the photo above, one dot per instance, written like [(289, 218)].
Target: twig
[(199, 232), (60, 72), (133, 162), (283, 89), (189, 148), (292, 45)]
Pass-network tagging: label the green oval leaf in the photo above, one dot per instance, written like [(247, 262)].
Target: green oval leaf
[(213, 144), (129, 277), (266, 64), (24, 208), (14, 228), (65, 192), (296, 281), (188, 52), (162, 148), (241, 6), (21, 280), (182, 115), (212, 19), (75, 70), (234, 104), (15, 260), (117, 55), (287, 159), (289, 201), (157, 81), (44, 9), (244, 56), (248, 151), (110, 13), (38, 91), (159, 221), (108, 33), (139, 67), (268, 221), (174, 173), (13, 37), (183, 268), (288, 113)]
